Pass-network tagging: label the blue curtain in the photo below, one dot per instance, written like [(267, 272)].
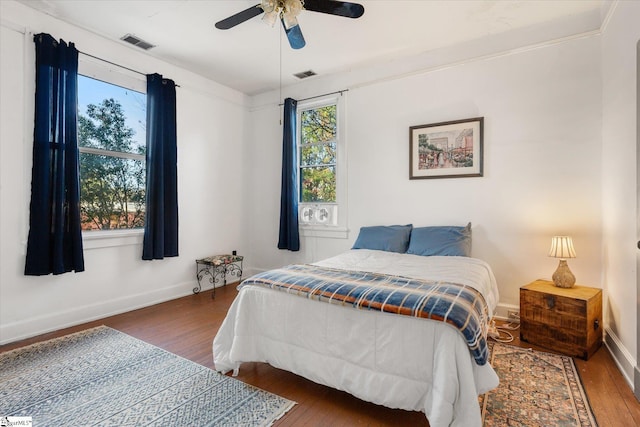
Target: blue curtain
[(289, 234), (54, 244), (161, 221)]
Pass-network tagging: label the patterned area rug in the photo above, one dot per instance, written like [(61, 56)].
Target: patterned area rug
[(536, 389), (104, 377)]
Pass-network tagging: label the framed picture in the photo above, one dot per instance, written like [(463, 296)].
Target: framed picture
[(446, 150)]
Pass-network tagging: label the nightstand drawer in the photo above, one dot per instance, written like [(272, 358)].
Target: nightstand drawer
[(568, 320)]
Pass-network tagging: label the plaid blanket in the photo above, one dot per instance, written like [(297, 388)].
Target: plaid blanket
[(458, 305)]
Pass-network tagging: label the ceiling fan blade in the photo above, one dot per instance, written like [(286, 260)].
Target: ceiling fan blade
[(339, 8), (294, 34), (239, 18)]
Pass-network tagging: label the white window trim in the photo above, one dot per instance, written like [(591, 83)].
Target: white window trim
[(110, 238), (339, 229), (103, 71), (100, 70), (119, 154)]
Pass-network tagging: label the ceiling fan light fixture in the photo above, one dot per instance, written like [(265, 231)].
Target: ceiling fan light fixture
[(291, 10), (269, 5), (270, 18), (289, 21), (294, 6), (287, 10)]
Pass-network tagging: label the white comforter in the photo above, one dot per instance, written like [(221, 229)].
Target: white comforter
[(392, 360)]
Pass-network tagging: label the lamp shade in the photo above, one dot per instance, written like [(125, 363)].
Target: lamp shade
[(562, 247)]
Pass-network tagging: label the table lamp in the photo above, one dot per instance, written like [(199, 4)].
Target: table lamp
[(562, 247)]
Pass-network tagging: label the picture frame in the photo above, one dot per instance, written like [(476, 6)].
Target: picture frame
[(451, 149)]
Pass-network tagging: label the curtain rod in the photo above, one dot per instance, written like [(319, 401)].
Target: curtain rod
[(117, 65), (319, 96)]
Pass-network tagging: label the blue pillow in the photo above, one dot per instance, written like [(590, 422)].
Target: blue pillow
[(442, 240), (390, 238)]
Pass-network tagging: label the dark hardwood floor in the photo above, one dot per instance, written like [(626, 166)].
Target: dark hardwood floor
[(186, 327)]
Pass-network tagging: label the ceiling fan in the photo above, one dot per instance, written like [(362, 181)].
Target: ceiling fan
[(287, 11)]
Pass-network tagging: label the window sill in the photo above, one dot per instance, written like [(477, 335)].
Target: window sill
[(327, 232), (111, 238)]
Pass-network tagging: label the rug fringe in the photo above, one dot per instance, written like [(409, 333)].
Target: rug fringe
[(287, 408)]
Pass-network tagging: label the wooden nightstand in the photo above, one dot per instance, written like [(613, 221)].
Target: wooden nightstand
[(567, 320)]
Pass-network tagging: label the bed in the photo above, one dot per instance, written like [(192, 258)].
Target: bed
[(401, 361)]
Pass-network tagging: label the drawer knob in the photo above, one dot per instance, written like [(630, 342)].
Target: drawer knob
[(596, 324), (551, 301)]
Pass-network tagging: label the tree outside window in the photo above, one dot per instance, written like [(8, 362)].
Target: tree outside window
[(112, 156), (318, 145)]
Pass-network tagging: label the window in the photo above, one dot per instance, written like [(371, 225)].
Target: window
[(317, 147), (112, 143), (321, 164)]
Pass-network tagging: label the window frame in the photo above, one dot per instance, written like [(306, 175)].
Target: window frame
[(338, 228), (100, 70)]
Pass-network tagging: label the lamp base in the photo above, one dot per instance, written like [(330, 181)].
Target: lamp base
[(563, 277)]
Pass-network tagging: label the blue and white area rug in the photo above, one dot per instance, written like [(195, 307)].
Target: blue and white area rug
[(104, 377)]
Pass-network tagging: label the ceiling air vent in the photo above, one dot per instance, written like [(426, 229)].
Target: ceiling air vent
[(130, 38), (305, 74)]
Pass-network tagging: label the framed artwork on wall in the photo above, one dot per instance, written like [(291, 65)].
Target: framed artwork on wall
[(446, 150)]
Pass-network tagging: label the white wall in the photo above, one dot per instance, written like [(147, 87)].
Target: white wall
[(542, 161), (619, 200), (211, 122)]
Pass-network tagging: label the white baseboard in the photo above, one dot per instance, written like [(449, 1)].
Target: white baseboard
[(621, 356), (502, 310), (636, 390), (49, 322)]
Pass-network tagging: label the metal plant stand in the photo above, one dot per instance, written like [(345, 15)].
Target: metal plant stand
[(218, 267)]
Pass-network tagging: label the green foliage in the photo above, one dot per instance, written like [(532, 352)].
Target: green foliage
[(315, 155), (318, 125), (318, 184), (318, 155), (112, 189)]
